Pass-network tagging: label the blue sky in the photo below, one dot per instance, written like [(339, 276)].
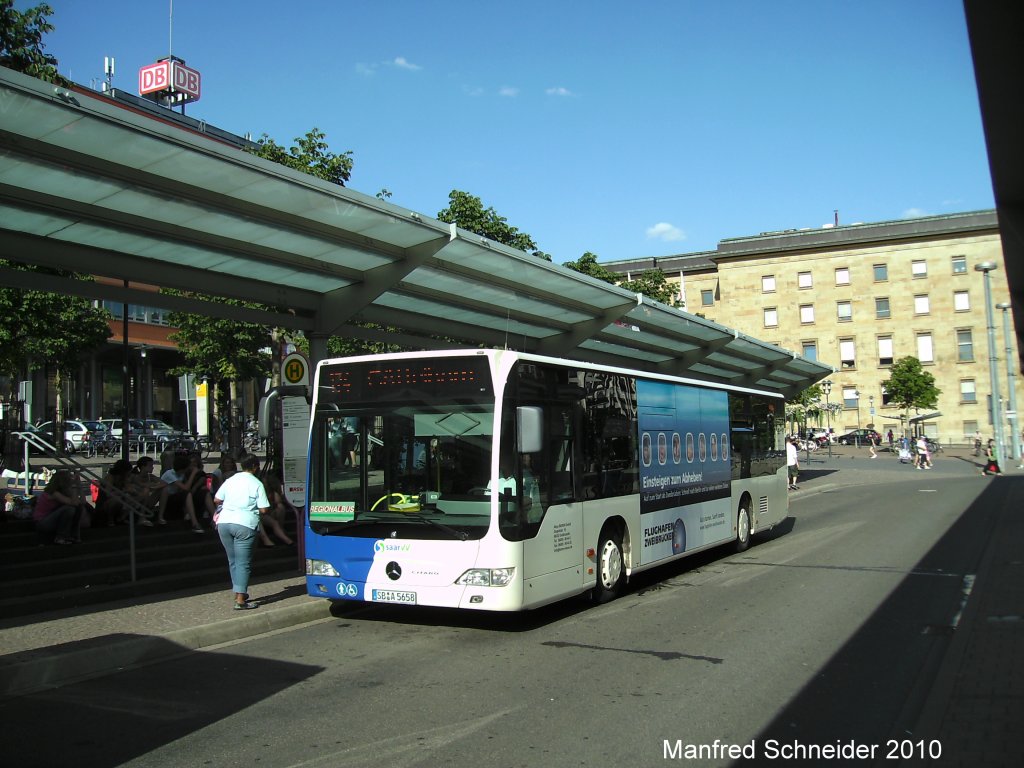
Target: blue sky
[(629, 130)]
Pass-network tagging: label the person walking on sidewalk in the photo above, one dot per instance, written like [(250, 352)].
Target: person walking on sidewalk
[(924, 456), (792, 462), (991, 465), (243, 499)]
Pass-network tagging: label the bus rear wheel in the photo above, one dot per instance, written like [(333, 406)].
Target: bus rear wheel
[(743, 526), (611, 570)]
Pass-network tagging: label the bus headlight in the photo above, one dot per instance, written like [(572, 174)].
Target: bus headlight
[(320, 568), (486, 577)]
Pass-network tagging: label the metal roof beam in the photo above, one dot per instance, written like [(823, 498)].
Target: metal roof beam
[(58, 254), (470, 334), (338, 306), (37, 281), (563, 343), (209, 199), (119, 221)]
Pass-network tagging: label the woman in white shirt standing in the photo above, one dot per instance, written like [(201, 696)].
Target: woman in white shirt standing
[(243, 500)]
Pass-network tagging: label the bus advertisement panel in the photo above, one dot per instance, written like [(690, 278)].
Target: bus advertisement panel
[(684, 468)]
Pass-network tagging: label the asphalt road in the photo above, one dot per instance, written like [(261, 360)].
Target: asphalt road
[(828, 631)]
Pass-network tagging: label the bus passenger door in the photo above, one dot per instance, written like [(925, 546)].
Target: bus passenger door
[(551, 556)]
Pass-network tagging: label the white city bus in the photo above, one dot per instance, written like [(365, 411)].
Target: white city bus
[(502, 481)]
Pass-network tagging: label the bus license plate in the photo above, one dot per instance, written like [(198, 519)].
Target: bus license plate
[(391, 596)]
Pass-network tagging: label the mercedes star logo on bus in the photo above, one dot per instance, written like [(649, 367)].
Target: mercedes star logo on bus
[(393, 570)]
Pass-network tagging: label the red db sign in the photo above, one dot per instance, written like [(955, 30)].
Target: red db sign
[(170, 76)]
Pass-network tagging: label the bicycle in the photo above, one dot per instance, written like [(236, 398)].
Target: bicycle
[(252, 442), (105, 445)]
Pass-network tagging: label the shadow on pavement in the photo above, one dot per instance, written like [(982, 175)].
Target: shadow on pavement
[(877, 684), (115, 719), (806, 475)]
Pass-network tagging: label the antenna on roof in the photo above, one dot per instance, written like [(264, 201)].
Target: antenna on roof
[(108, 72), (836, 213), (170, 31)]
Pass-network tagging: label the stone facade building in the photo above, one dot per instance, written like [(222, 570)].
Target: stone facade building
[(859, 297)]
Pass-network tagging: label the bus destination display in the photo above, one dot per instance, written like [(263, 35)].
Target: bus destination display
[(403, 379)]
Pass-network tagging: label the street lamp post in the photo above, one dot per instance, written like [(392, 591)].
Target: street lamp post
[(856, 439), (826, 387), (1011, 415), (986, 267)]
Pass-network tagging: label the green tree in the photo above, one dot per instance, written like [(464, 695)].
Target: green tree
[(225, 350), (468, 212), (910, 386), (21, 41), (587, 264), (805, 405), (653, 284), (311, 154), (42, 328)]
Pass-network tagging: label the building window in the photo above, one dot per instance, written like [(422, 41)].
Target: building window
[(970, 427), (810, 350), (885, 350), (967, 391), (959, 265), (803, 280), (806, 313), (882, 308), (961, 301), (919, 268), (844, 311), (768, 284), (847, 353), (137, 313), (771, 317), (924, 348), (843, 276), (707, 298), (886, 397), (921, 304), (851, 397), (881, 273), (964, 345)]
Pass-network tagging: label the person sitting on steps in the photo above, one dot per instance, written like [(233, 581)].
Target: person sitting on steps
[(176, 493), (59, 509)]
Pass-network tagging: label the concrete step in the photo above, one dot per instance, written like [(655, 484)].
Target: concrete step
[(35, 577), (84, 596)]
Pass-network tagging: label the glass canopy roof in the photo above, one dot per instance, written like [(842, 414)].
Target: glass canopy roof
[(90, 186)]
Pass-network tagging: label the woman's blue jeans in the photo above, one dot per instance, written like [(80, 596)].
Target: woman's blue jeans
[(238, 542), (63, 521)]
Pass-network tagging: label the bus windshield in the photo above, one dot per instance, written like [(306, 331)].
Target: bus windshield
[(422, 465)]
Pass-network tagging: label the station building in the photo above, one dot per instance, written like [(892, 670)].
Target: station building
[(861, 296)]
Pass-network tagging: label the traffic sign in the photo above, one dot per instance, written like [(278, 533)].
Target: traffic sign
[(295, 370)]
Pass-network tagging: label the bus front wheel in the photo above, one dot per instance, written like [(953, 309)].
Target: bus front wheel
[(743, 526), (611, 576)]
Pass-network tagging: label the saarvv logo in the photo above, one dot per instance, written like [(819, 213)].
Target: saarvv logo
[(390, 546)]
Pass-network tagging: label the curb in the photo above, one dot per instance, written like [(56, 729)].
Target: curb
[(38, 671)]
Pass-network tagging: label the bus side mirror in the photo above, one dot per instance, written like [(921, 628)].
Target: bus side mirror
[(530, 426)]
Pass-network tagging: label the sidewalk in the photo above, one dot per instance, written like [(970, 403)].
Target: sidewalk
[(49, 650), (973, 708)]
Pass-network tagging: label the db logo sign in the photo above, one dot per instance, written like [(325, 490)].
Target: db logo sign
[(171, 76)]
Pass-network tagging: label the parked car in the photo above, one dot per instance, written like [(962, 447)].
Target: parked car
[(76, 434), (101, 440), (135, 428), (159, 433), (859, 437)]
